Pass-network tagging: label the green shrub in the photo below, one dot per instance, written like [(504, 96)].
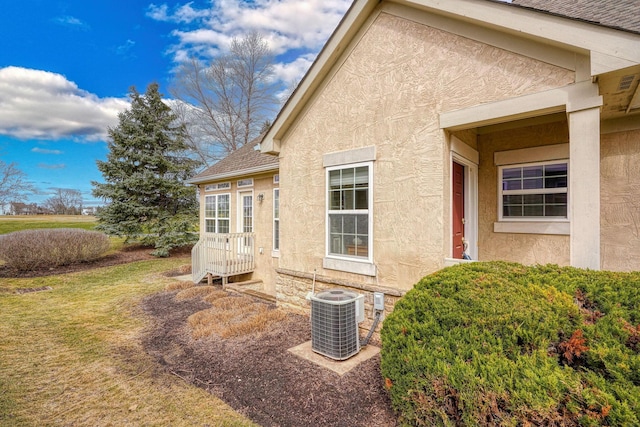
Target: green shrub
[(45, 248), (504, 344)]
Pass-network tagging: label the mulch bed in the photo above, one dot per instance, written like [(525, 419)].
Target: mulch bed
[(258, 377), (255, 375)]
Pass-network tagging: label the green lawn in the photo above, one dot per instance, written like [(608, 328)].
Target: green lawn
[(10, 223), (71, 355)]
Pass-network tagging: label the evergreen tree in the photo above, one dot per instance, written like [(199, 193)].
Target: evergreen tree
[(145, 173)]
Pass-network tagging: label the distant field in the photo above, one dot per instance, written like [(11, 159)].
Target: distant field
[(11, 223)]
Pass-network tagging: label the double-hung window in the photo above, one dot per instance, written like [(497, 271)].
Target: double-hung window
[(216, 213), (348, 215), (534, 191)]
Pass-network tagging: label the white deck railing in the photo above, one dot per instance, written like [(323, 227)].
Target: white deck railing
[(223, 255)]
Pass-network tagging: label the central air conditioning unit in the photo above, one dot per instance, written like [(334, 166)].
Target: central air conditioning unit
[(335, 315)]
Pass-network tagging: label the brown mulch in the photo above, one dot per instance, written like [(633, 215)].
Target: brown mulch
[(255, 375), (258, 377)]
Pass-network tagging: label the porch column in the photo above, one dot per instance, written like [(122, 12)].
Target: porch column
[(584, 182)]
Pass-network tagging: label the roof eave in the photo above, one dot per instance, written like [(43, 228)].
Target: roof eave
[(579, 35), (234, 174)]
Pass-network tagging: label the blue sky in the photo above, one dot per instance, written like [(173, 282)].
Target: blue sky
[(66, 68)]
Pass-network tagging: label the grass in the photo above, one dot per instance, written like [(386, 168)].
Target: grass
[(70, 355), (11, 223)]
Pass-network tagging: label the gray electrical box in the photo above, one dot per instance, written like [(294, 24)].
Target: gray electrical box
[(378, 301)]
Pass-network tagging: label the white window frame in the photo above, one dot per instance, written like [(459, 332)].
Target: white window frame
[(218, 186), (502, 192), (368, 212), (276, 220), (215, 218), (276, 178), (558, 153), (245, 183)]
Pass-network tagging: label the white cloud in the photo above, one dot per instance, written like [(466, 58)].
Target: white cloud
[(44, 105), (294, 29), (71, 22), (52, 167), (45, 151)]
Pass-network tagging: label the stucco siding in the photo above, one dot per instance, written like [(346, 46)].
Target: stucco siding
[(388, 93), (620, 201), (524, 248)]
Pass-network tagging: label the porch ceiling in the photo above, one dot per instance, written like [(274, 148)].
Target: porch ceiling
[(620, 90)]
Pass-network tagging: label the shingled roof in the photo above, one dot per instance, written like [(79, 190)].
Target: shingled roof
[(245, 160), (619, 14)]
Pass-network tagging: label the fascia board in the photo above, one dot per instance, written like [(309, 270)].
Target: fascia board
[(233, 174), (572, 33), (570, 98), (339, 41), (569, 34)]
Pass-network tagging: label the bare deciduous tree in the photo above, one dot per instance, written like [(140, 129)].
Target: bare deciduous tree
[(65, 201), (225, 103), (13, 184)]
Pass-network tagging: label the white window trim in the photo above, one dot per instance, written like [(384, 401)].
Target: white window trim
[(275, 252), (241, 183), (533, 219), (276, 178), (218, 186), (535, 155), (240, 213), (215, 218), (359, 265)]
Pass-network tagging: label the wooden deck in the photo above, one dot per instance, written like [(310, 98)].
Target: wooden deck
[(223, 255)]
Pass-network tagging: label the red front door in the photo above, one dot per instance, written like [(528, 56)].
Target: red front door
[(458, 209)]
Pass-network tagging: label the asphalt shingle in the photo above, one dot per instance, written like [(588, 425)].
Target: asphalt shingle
[(244, 158)]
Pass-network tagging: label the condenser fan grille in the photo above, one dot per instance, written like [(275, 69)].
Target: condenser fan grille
[(334, 324)]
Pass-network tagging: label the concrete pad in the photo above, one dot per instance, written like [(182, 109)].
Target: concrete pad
[(340, 367)]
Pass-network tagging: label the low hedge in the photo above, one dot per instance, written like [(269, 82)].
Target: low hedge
[(503, 344), (45, 248)]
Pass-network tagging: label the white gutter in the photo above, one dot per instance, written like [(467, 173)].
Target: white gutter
[(233, 174)]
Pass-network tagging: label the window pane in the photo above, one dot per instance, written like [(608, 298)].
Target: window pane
[(348, 178), (334, 180), (362, 201), (533, 210), (223, 226), (556, 210), (210, 225), (512, 185), (512, 173), (532, 183), (512, 200), (558, 198), (532, 171), (532, 199), (556, 182), (511, 211), (348, 202), (555, 169), (276, 204), (223, 206), (349, 224), (362, 227), (210, 206), (276, 235), (362, 176)]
